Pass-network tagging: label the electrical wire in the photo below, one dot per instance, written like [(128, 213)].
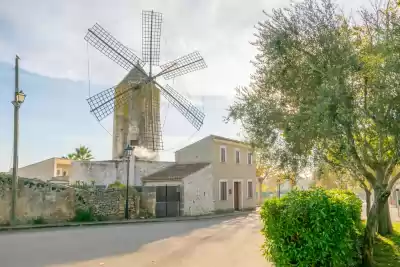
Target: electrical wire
[(165, 117), (89, 82)]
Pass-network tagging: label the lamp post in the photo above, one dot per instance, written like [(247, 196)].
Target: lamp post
[(128, 153), (19, 98)]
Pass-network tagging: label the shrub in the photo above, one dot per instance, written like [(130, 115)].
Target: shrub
[(312, 228), (84, 215), (39, 220), (117, 184), (145, 214)]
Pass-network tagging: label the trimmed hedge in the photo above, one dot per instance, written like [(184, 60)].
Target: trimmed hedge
[(313, 228)]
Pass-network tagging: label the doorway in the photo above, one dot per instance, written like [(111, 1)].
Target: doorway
[(236, 195)]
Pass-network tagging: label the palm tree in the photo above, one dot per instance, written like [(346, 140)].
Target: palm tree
[(81, 153)]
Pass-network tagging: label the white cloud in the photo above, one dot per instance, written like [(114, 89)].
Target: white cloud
[(48, 35)]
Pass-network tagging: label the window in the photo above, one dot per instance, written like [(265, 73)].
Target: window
[(59, 171), (249, 158), (237, 156), (223, 154), (249, 189), (223, 190), (65, 173)]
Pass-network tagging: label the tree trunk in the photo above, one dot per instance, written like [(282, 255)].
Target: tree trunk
[(367, 250), (381, 197), (368, 200), (385, 226)]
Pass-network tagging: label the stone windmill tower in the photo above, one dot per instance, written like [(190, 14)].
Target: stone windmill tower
[(135, 101)]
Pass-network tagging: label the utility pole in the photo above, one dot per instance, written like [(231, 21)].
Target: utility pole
[(19, 98)]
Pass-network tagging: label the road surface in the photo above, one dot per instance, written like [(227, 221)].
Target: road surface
[(215, 242)]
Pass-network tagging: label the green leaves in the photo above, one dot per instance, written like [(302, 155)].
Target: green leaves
[(312, 228), (81, 153), (326, 83)]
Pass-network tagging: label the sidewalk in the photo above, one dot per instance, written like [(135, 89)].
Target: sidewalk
[(99, 223)]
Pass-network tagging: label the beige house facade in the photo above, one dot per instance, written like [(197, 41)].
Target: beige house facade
[(228, 180), (47, 169)]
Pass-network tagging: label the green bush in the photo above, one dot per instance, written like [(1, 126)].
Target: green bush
[(145, 214), (84, 215), (39, 220), (313, 228)]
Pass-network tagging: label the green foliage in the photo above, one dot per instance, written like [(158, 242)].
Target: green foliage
[(312, 228), (39, 220), (81, 153), (326, 85), (84, 215), (145, 214), (83, 185), (117, 185)]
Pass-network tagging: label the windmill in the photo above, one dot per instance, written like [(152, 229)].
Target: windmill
[(135, 101)]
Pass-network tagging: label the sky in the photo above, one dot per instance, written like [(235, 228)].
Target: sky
[(59, 70)]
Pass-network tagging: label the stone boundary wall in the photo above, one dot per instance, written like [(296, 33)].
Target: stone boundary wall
[(58, 203)]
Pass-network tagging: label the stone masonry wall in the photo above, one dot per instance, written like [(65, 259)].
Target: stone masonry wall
[(58, 203)]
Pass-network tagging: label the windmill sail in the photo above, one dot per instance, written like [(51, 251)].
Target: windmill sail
[(187, 109), (100, 39), (151, 37), (135, 101), (186, 64)]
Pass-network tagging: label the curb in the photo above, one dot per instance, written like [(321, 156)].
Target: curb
[(135, 221)]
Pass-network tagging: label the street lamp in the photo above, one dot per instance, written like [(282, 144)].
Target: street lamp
[(128, 153), (19, 98)]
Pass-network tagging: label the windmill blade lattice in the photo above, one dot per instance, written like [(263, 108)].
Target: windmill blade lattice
[(186, 64), (151, 37), (104, 103), (112, 48), (194, 115), (144, 107)]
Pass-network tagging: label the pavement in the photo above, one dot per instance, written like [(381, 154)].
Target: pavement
[(221, 242), (132, 221)]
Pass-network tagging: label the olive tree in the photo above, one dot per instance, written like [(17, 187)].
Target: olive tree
[(329, 86)]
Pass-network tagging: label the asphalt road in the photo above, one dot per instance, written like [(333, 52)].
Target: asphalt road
[(214, 242)]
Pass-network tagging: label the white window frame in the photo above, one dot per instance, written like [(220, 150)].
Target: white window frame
[(219, 189), (59, 172), (220, 154), (237, 150), (252, 189), (249, 153)]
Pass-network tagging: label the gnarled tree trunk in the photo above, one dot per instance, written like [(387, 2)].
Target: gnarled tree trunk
[(381, 197), (367, 200), (385, 226)]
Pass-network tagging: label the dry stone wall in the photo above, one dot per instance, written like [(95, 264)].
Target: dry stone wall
[(58, 203)]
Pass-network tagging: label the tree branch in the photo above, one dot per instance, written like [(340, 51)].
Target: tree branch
[(393, 181), (368, 175)]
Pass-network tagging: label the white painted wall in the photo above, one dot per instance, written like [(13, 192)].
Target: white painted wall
[(107, 172), (198, 192)]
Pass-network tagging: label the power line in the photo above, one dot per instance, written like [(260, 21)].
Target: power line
[(89, 81)]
